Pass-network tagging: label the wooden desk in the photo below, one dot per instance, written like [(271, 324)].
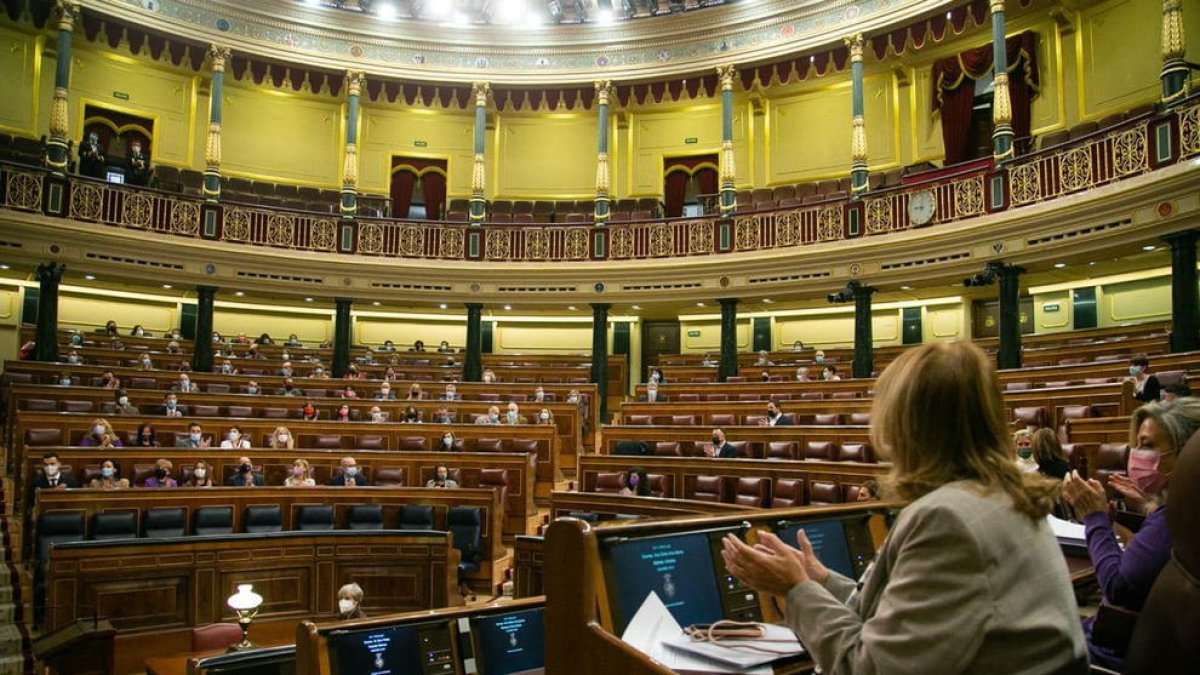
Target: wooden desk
[(271, 634)]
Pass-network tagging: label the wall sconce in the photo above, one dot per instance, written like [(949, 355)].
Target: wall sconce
[(245, 603)]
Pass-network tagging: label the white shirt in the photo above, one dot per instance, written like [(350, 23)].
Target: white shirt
[(242, 443)]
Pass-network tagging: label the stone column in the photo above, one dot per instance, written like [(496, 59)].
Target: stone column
[(202, 351), (858, 130), (603, 173), (212, 147), (49, 276), (473, 364), (354, 85), (1175, 70), (729, 362), (480, 91), (58, 147), (1002, 131), (1010, 316), (728, 201), (600, 354), (341, 335), (864, 339), (1185, 319)]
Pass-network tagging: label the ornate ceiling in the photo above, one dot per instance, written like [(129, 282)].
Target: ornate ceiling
[(571, 48)]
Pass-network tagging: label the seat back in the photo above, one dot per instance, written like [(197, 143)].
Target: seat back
[(213, 520), (855, 452), (114, 525), (160, 523), (314, 517), (723, 420), (683, 420), (239, 411), (824, 492), (782, 450), (215, 636), (709, 489), (57, 527), (742, 448), (752, 492), (860, 418), (327, 441), (667, 449), (364, 517), (610, 482), (391, 476), (414, 443), (639, 420), (827, 419), (492, 445), (466, 525), (263, 518), (497, 479), (416, 517), (1033, 417), (660, 485), (1111, 458), (43, 437), (822, 450), (371, 442), (787, 492)]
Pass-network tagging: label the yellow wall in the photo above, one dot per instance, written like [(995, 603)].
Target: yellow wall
[(391, 130), (373, 330), (20, 71), (656, 132), (10, 321), (312, 329), (709, 339), (1143, 297), (282, 136), (86, 311), (547, 154), (545, 337)]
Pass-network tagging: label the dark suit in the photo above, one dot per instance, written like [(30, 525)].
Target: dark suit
[(726, 451), (1150, 391), (340, 480), (658, 398), (236, 480), (780, 421), (43, 482)]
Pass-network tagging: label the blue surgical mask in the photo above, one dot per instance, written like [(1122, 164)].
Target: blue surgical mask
[(352, 471), (195, 436), (233, 436), (493, 416), (820, 359), (171, 404), (66, 381), (252, 390), (1135, 370), (545, 415), (512, 415), (108, 472)]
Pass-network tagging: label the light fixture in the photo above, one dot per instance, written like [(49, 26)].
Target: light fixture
[(1092, 264), (636, 307), (508, 307), (167, 286), (767, 301), (308, 299), (377, 303), (442, 306), (245, 604), (461, 18), (1059, 266), (3, 266), (313, 3), (386, 11), (240, 294), (437, 10), (89, 277), (508, 11), (571, 307), (1149, 247), (699, 304), (906, 288), (605, 14)]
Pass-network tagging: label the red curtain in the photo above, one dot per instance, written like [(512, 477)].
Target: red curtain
[(675, 189), (403, 182), (433, 184), (954, 89), (708, 181)]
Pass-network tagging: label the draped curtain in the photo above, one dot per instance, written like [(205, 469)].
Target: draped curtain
[(433, 184), (677, 171), (708, 181), (954, 89), (406, 171), (674, 190), (403, 182)]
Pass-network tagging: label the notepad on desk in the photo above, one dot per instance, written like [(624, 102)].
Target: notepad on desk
[(1070, 535), (652, 629)]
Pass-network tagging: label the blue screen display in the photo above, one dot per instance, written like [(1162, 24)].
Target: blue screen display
[(511, 643), (828, 539), (678, 568), (392, 650)]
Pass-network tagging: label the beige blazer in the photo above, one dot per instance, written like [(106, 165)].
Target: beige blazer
[(963, 584)]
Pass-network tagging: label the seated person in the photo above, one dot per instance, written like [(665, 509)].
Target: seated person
[(798, 346), (145, 438), (110, 328), (137, 331), (285, 356), (109, 381), (349, 599), (708, 361), (75, 338), (1048, 454), (349, 476), (441, 478), (216, 337), (574, 398), (318, 372), (293, 341), (171, 407), (174, 348), (719, 447), (52, 477), (282, 438), (194, 439), (445, 348), (539, 395), (652, 395), (1158, 435), (544, 417), (64, 380), (388, 347), (451, 393), (74, 359), (1023, 441), (184, 385), (389, 375), (868, 491), (309, 412), (411, 416), (492, 416), (116, 345), (763, 359), (415, 393), (442, 416), (301, 475), (227, 368), (202, 475), (264, 339), (830, 374), (448, 442), (286, 370), (110, 477), (352, 373), (514, 416), (245, 475), (184, 366), (145, 363), (819, 357), (775, 416), (376, 414), (368, 357), (489, 377), (162, 475), (124, 407), (418, 346), (656, 375), (252, 388), (289, 388), (252, 352), (235, 439), (102, 436), (343, 413), (385, 393), (349, 392), (637, 482), (1146, 387)]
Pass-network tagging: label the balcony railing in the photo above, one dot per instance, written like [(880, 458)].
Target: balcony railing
[(1135, 147)]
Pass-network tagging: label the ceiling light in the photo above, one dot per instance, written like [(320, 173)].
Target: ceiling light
[(1092, 264), (906, 288), (1059, 266), (437, 9), (604, 17), (509, 11), (386, 11), (699, 304), (89, 277), (313, 3), (167, 286), (636, 306), (240, 293), (508, 307), (571, 307), (461, 18), (308, 299), (377, 303), (442, 306), (947, 16), (1149, 247), (767, 301)]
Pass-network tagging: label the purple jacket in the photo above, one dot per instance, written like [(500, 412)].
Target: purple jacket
[(90, 441), (1126, 576)]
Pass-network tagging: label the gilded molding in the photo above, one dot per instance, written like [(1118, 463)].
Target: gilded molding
[(855, 44), (354, 82), (477, 176), (726, 74), (1001, 103), (218, 55), (603, 92), (350, 166), (68, 13), (858, 141), (996, 6), (1174, 42), (58, 113), (602, 175), (480, 91), (212, 147)]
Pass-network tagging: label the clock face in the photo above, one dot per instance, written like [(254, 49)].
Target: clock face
[(921, 207)]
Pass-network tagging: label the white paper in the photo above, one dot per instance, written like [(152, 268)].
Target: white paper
[(653, 626), (1066, 530), (779, 639)]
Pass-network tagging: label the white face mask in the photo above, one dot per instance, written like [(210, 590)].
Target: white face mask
[(123, 401), (200, 473), (98, 429), (346, 606), (51, 470), (282, 438), (545, 416)]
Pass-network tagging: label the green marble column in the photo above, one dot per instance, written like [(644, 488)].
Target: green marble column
[(1185, 319), (603, 173), (202, 350), (1009, 355), (1175, 70), (480, 91), (341, 335), (729, 362), (354, 85), (49, 276), (864, 339), (600, 354), (858, 130), (58, 148), (1002, 131), (473, 363), (212, 147), (728, 200)]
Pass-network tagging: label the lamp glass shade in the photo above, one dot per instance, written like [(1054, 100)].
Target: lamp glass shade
[(245, 599)]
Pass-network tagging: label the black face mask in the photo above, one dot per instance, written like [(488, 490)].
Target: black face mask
[(771, 414), (716, 440), (160, 473), (245, 468)]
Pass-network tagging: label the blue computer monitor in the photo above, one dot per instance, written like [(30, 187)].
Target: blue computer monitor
[(510, 643), (390, 650), (830, 542), (266, 661)]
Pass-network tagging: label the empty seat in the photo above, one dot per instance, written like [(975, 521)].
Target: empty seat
[(639, 420), (239, 411), (667, 449), (114, 525), (213, 520), (39, 405), (77, 406), (414, 443), (824, 492), (327, 441), (863, 418), (752, 492), (683, 420), (855, 452), (822, 450), (749, 397), (217, 388), (716, 397), (391, 476), (781, 450), (364, 517), (1033, 417), (1072, 412), (609, 482), (827, 419), (741, 448), (416, 517), (273, 413), (787, 492), (466, 525), (496, 479), (263, 518), (723, 419), (162, 523), (489, 445), (842, 395), (57, 527), (314, 517), (1111, 458), (1018, 386), (709, 489), (736, 379)]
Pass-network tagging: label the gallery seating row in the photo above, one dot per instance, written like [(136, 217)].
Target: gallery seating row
[(750, 491)]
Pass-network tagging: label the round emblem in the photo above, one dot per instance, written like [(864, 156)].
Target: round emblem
[(855, 269), (223, 25), (210, 269), (599, 287)]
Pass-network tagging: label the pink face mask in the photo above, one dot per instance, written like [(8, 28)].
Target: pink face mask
[(1143, 470)]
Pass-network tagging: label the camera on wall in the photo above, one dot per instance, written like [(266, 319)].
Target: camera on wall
[(846, 294), (985, 278)]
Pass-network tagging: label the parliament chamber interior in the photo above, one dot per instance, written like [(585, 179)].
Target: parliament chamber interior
[(456, 337)]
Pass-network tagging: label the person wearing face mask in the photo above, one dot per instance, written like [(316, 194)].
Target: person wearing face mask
[(1023, 442), (415, 393), (138, 331), (194, 438), (145, 363), (442, 416), (573, 397), (300, 476), (319, 372), (637, 482), (451, 393), (64, 380), (75, 339), (489, 377), (441, 478), (349, 600), (652, 394), (309, 412), (293, 341), (171, 407), (161, 478), (184, 385), (802, 374), (1146, 387), (285, 370), (368, 357), (146, 438), (388, 347), (385, 393), (110, 477), (544, 417), (1048, 454), (52, 477), (124, 407), (819, 357), (92, 164), (349, 392), (349, 476), (109, 381), (830, 374), (707, 361), (102, 436), (449, 443), (236, 439), (377, 415), (252, 388), (775, 416), (201, 476), (282, 438), (411, 416), (719, 447), (74, 359), (289, 388), (352, 373), (174, 348), (513, 415), (492, 416), (227, 368), (539, 396), (244, 475), (1157, 435), (343, 414), (763, 359)]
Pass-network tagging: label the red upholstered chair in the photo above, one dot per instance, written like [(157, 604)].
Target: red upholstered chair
[(667, 449), (489, 445), (39, 405), (215, 636), (1072, 412), (1167, 378), (77, 406), (781, 397), (497, 479), (43, 437), (709, 489), (688, 398), (239, 411), (327, 441), (855, 452), (1033, 417), (850, 492), (414, 443), (749, 397), (526, 445), (827, 419), (683, 420), (824, 492), (736, 379), (753, 420), (787, 492), (610, 482), (781, 450), (843, 395), (716, 397), (723, 419), (660, 485), (217, 388), (273, 413), (860, 418), (752, 492), (1099, 380), (811, 396), (701, 380), (639, 420), (742, 448), (1111, 458), (1018, 386), (822, 450), (1077, 456)]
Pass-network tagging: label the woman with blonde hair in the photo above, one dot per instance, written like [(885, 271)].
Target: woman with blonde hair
[(301, 475), (1048, 454), (970, 578), (102, 436), (545, 417), (281, 439), (1023, 442)]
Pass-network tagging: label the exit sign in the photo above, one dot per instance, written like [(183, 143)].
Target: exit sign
[(420, 144), (121, 95), (691, 140), (693, 333), (1050, 307)]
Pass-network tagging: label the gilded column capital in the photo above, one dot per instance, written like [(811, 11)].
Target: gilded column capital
[(996, 6), (355, 79), (855, 44), (858, 140), (1174, 42), (219, 56), (480, 91), (68, 12), (603, 91), (1001, 103), (350, 167), (212, 147), (726, 74)]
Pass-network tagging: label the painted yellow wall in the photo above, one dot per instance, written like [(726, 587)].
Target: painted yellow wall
[(373, 330), (87, 311), (394, 130), (282, 136), (20, 70), (656, 132), (546, 154), (542, 337), (10, 321), (1053, 322), (1138, 301), (709, 339), (254, 321)]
